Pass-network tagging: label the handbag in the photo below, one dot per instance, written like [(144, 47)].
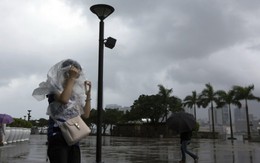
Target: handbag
[(74, 129)]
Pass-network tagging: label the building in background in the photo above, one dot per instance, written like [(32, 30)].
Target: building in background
[(221, 119), (241, 123), (222, 124), (119, 107), (240, 120)]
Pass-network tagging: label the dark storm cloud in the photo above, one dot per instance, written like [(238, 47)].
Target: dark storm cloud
[(182, 44)]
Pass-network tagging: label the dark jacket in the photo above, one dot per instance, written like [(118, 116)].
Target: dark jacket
[(185, 136)]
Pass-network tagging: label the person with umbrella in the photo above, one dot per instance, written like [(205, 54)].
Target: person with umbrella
[(183, 123), (185, 140), (2, 133), (4, 119)]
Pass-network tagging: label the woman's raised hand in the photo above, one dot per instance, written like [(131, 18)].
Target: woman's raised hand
[(73, 72), (87, 84)]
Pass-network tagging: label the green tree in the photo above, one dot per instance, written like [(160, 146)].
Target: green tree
[(245, 93), (192, 101), (112, 117), (165, 94), (149, 107), (175, 104), (137, 111), (208, 97), (91, 121), (127, 117), (228, 98), (20, 123), (43, 122), (39, 123)]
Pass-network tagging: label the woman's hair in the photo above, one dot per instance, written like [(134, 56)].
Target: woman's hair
[(69, 62)]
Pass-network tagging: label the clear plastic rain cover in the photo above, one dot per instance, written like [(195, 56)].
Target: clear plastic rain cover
[(54, 84)]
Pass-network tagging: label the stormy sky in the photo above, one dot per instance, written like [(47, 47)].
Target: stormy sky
[(180, 44)]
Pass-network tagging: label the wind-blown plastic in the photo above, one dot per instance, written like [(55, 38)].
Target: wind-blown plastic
[(54, 84)]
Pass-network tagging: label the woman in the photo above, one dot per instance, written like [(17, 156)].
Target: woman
[(69, 95)]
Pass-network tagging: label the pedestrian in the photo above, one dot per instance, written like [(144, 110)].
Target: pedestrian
[(2, 134), (185, 141), (69, 95)]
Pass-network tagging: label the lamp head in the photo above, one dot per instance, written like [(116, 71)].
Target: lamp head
[(102, 10), (110, 42)]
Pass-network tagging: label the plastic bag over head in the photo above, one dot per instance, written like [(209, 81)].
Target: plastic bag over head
[(55, 80)]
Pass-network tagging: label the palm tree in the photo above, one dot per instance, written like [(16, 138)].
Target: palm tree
[(207, 97), (228, 98), (192, 101), (245, 93), (165, 94)]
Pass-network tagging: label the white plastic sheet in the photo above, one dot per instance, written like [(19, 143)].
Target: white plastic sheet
[(54, 83)]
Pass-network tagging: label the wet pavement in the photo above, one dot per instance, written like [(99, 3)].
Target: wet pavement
[(138, 150)]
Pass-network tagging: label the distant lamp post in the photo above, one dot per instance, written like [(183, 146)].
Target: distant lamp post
[(29, 114), (102, 11)]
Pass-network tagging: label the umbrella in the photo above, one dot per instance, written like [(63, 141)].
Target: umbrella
[(5, 118), (181, 122)]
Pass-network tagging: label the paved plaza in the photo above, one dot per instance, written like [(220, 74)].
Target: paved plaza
[(138, 150)]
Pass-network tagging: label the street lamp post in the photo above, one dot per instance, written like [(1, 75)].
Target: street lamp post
[(102, 11), (29, 115)]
